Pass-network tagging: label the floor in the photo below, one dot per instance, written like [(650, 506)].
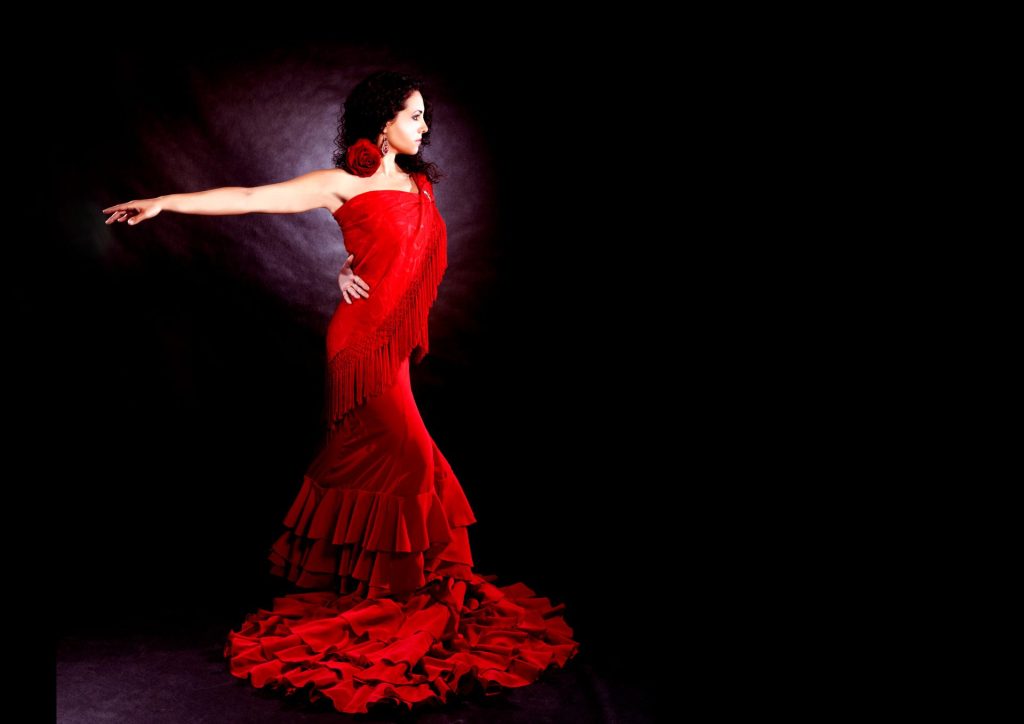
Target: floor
[(178, 675)]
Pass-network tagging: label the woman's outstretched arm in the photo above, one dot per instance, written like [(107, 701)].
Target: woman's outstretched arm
[(312, 190)]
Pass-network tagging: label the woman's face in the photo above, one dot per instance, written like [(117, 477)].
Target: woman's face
[(406, 129)]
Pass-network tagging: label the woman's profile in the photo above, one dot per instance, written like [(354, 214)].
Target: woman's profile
[(391, 609)]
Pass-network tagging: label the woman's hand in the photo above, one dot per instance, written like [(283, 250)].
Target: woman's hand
[(133, 211), (350, 284)]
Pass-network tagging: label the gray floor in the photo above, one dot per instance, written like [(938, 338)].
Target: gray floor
[(181, 677)]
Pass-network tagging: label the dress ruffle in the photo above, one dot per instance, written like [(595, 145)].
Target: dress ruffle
[(450, 637), (349, 538), (338, 537)]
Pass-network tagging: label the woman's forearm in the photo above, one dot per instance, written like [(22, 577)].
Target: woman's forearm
[(222, 201)]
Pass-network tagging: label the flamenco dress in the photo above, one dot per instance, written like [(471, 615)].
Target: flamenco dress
[(393, 611)]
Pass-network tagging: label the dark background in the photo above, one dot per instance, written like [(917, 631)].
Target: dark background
[(174, 370)]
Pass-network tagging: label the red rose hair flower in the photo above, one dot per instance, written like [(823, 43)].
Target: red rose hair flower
[(363, 157)]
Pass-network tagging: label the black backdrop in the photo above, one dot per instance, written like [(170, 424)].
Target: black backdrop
[(174, 370)]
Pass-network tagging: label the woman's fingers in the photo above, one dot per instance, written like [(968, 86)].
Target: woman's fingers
[(352, 291), (118, 212), (360, 282), (130, 211)]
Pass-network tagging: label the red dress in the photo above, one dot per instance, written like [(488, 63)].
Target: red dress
[(379, 527)]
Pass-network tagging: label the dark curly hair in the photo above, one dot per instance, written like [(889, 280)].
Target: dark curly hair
[(373, 102)]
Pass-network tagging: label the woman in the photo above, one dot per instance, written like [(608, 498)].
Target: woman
[(379, 527)]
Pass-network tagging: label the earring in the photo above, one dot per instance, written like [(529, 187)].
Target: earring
[(384, 147)]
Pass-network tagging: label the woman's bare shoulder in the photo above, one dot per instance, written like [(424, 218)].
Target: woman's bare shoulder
[(341, 181), (341, 185)]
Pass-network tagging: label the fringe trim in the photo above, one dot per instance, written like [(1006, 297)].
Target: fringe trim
[(367, 367)]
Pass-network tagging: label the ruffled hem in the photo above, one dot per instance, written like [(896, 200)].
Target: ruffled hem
[(448, 638), (339, 537)]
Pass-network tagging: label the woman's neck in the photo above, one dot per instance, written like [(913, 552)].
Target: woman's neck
[(389, 167)]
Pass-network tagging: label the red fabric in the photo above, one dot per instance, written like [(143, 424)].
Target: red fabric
[(400, 245), (379, 526)]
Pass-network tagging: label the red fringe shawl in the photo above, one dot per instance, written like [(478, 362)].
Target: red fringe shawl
[(400, 244)]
